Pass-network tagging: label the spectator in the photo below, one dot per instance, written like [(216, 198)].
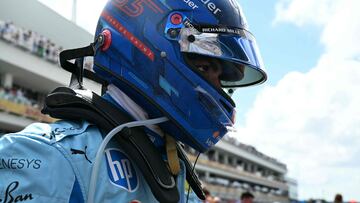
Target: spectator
[(40, 49), (247, 197), (33, 42), (53, 55), (23, 96), (17, 36), (28, 38), (21, 40), (338, 198), (57, 52), (50, 49), (8, 31)]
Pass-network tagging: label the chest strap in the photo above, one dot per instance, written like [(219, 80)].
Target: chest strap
[(65, 103), (172, 156)]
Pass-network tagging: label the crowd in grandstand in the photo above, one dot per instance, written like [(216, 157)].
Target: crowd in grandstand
[(20, 95), (36, 44), (30, 41), (33, 42)]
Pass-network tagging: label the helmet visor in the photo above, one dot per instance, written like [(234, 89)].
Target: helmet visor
[(236, 50)]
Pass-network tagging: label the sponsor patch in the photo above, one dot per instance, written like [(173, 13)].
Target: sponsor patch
[(191, 4), (120, 170), (19, 163), (211, 6)]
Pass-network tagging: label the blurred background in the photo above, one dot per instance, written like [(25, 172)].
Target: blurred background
[(297, 135)]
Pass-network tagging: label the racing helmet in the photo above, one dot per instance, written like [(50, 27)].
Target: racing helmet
[(150, 49)]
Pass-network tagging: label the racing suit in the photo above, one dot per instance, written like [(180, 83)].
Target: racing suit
[(53, 163)]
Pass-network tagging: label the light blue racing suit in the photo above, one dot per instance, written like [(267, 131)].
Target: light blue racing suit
[(53, 162)]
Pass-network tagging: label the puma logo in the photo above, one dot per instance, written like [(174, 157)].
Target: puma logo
[(76, 151)]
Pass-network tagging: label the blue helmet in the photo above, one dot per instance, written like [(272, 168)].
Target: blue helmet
[(148, 50)]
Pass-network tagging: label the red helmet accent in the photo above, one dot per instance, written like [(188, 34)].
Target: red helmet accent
[(176, 19), (107, 40)]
